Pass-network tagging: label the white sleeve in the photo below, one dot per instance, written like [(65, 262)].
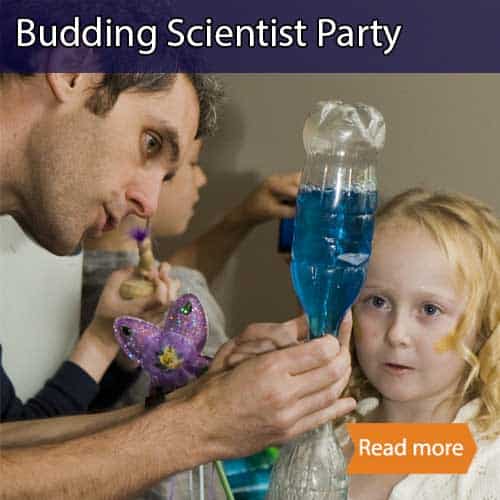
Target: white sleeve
[(482, 481)]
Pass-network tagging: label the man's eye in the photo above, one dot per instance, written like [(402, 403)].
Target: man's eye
[(431, 310), (152, 143), (168, 177)]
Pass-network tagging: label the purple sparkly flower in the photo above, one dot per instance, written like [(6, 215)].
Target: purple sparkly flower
[(139, 234), (171, 354)]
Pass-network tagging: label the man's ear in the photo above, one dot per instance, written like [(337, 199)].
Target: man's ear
[(73, 69), (63, 85), (70, 86)]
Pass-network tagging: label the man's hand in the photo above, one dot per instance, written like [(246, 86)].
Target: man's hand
[(274, 396), (273, 199)]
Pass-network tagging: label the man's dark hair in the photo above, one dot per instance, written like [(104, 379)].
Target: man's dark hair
[(208, 89), (114, 64)]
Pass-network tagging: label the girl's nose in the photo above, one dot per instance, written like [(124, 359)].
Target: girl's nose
[(200, 177), (397, 334)]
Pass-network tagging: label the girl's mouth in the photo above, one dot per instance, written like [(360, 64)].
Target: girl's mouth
[(397, 368)]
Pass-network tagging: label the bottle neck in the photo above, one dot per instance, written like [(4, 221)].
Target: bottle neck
[(348, 172)]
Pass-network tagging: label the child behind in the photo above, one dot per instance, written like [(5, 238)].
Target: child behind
[(194, 266), (426, 337)]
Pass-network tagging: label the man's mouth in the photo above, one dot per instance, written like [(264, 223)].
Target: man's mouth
[(111, 221)]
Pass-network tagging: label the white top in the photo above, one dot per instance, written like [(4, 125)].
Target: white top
[(39, 308), (481, 482)]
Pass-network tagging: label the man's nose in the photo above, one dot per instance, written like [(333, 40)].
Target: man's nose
[(143, 198)]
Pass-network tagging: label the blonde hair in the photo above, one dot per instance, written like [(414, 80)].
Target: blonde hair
[(468, 232)]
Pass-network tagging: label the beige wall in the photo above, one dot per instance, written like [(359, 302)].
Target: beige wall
[(443, 131)]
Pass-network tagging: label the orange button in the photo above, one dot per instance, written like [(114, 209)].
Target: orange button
[(411, 448)]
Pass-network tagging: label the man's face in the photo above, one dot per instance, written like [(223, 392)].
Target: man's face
[(89, 171)]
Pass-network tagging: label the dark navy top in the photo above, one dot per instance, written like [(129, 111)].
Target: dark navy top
[(68, 392)]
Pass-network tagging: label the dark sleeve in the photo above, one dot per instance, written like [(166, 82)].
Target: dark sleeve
[(115, 380), (68, 392), (113, 384)]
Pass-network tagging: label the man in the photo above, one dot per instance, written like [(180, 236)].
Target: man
[(80, 152)]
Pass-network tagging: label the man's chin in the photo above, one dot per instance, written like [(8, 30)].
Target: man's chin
[(57, 247), (52, 245), (63, 249)]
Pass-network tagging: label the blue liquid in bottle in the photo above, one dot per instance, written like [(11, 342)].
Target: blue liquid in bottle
[(331, 248)]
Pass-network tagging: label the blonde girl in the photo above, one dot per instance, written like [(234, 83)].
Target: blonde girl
[(426, 337)]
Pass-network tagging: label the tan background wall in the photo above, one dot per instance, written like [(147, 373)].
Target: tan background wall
[(443, 131)]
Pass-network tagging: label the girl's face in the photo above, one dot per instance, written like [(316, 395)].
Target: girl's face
[(409, 302), (179, 195)]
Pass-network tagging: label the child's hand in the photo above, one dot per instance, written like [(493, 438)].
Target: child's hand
[(156, 315), (259, 338), (248, 345), (97, 346), (273, 199), (111, 304)]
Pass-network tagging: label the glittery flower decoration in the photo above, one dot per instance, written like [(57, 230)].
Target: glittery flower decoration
[(171, 354), (139, 234)]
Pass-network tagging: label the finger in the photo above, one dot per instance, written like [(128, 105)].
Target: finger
[(323, 377), (219, 362), (284, 211), (137, 307), (293, 177), (289, 179), (161, 291), (345, 330), (334, 411), (173, 285), (248, 350), (173, 289), (288, 191), (158, 299), (152, 274), (339, 386), (117, 277), (316, 401), (237, 358), (299, 327), (282, 334), (165, 268), (305, 357), (256, 347)]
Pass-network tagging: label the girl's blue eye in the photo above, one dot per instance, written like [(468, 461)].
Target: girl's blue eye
[(431, 310), (377, 302)]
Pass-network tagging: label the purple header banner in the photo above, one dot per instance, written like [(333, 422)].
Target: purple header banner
[(273, 36)]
